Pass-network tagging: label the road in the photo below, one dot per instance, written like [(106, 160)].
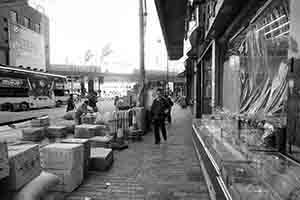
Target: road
[(55, 114)]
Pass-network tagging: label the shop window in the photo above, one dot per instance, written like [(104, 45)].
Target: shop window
[(37, 28), (13, 16)]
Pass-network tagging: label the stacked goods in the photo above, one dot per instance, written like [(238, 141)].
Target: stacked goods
[(69, 115), (34, 134), (101, 141), (65, 161), (87, 130), (87, 151), (40, 122), (88, 118), (101, 130), (57, 131), (24, 162), (4, 163), (101, 158)]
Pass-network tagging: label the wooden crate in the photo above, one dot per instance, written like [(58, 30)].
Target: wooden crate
[(56, 131), (40, 122), (101, 141)]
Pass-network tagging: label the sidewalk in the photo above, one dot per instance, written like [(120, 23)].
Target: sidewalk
[(169, 171)]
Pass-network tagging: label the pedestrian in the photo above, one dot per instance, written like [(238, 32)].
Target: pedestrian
[(170, 105), (70, 103), (158, 112), (80, 111), (92, 100)]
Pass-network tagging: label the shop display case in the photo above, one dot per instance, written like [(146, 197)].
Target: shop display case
[(246, 170)]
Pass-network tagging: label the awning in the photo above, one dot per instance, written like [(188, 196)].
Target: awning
[(172, 20)]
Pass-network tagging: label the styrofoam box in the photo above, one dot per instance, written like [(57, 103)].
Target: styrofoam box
[(69, 179), (4, 164), (33, 134), (24, 161), (87, 130), (87, 150), (57, 131), (62, 156), (101, 158), (101, 141)]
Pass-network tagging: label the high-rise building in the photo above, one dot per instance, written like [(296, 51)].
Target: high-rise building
[(24, 35)]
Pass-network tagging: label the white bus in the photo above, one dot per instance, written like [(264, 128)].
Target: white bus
[(22, 89)]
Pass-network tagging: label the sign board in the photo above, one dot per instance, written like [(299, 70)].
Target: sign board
[(27, 47), (12, 82)]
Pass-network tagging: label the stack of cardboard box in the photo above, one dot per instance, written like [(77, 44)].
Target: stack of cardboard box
[(65, 161), (41, 122), (37, 130), (87, 130), (4, 163), (56, 131), (24, 162)]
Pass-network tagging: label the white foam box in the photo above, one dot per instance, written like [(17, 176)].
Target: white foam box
[(57, 131), (4, 163), (101, 158), (62, 156), (86, 130), (87, 150), (101, 130), (40, 122), (88, 119), (34, 134), (101, 141), (24, 162), (69, 179)]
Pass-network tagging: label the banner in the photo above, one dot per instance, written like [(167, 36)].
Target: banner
[(27, 47)]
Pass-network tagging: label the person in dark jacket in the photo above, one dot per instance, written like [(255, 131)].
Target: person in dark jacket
[(158, 113), (93, 99), (170, 105), (70, 103)]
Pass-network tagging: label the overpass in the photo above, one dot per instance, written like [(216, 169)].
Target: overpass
[(92, 77)]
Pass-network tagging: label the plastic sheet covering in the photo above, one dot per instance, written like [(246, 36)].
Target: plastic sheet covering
[(262, 76)]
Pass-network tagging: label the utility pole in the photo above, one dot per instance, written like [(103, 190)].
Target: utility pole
[(142, 51)]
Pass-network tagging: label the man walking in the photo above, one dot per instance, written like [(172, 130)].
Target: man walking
[(158, 112)]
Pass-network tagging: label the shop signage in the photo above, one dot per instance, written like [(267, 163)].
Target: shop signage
[(12, 82), (26, 47)]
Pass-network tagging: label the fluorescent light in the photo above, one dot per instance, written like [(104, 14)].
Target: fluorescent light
[(272, 22), (277, 28)]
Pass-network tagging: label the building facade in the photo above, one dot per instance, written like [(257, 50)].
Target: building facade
[(24, 36), (242, 61)]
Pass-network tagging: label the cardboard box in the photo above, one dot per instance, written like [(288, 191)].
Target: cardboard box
[(69, 179), (40, 122), (62, 156), (87, 130), (4, 163), (101, 141), (57, 131), (24, 162), (101, 158), (35, 134), (87, 151)]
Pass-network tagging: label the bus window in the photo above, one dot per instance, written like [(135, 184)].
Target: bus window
[(14, 92), (59, 93)]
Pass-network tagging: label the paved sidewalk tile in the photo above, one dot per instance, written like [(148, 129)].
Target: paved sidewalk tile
[(146, 171)]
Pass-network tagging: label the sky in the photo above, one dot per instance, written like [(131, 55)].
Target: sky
[(77, 26)]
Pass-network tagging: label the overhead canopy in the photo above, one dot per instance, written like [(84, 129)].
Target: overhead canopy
[(172, 16)]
